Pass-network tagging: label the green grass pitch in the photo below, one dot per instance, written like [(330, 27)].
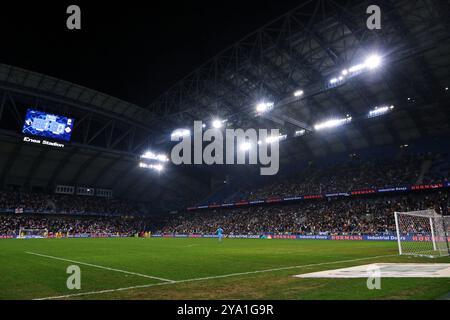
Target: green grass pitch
[(202, 269)]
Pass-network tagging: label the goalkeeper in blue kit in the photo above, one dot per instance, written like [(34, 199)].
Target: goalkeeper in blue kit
[(220, 234)]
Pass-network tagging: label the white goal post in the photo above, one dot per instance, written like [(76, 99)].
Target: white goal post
[(422, 233), (25, 233)]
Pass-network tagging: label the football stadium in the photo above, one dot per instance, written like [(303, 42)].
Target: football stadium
[(307, 159)]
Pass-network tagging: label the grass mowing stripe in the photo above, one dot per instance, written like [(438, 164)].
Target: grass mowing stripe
[(213, 277), (100, 267)]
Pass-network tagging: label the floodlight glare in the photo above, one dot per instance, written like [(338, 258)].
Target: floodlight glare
[(298, 93), (179, 133), (333, 81), (217, 124), (379, 111), (155, 157), (274, 139), (162, 158), (300, 133), (332, 123), (357, 68), (264, 107), (149, 155), (373, 62), (156, 167)]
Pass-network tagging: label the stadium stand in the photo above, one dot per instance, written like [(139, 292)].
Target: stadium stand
[(13, 201), (372, 215), (353, 173), (361, 215), (69, 225)]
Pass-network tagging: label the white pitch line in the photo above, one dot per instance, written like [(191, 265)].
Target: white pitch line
[(100, 267), (211, 278)]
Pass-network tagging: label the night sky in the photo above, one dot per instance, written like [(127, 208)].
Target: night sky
[(133, 50)]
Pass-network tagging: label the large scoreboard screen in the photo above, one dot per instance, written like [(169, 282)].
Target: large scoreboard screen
[(38, 123)]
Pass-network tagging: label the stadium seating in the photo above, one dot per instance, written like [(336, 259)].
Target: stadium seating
[(354, 173)]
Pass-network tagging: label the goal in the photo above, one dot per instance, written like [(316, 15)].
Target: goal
[(422, 233), (32, 233)]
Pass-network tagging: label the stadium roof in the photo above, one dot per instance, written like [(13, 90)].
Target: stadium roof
[(302, 50), (307, 47), (109, 134)]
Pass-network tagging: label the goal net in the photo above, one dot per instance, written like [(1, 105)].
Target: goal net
[(422, 233), (32, 233)]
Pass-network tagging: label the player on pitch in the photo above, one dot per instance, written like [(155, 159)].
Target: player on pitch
[(220, 234)]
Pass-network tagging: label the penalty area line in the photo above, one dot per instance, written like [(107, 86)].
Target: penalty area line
[(211, 278), (100, 267)]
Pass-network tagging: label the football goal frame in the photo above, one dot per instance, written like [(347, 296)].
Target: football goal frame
[(422, 233)]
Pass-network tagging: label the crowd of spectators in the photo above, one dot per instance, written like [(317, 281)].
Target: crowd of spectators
[(351, 175), (374, 215), (125, 226), (365, 215), (64, 204)]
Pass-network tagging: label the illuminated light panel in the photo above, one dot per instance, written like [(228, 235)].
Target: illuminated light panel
[(149, 155), (332, 123), (299, 133), (357, 68), (264, 107), (156, 167), (181, 133), (218, 124), (270, 140), (373, 62), (298, 93), (379, 111), (157, 157)]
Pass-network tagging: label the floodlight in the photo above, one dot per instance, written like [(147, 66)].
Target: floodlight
[(357, 68), (148, 155), (156, 167), (332, 123), (299, 133), (344, 72), (179, 133), (298, 93), (162, 158), (333, 81), (155, 157), (264, 107), (379, 111), (217, 123), (273, 139), (373, 62)]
